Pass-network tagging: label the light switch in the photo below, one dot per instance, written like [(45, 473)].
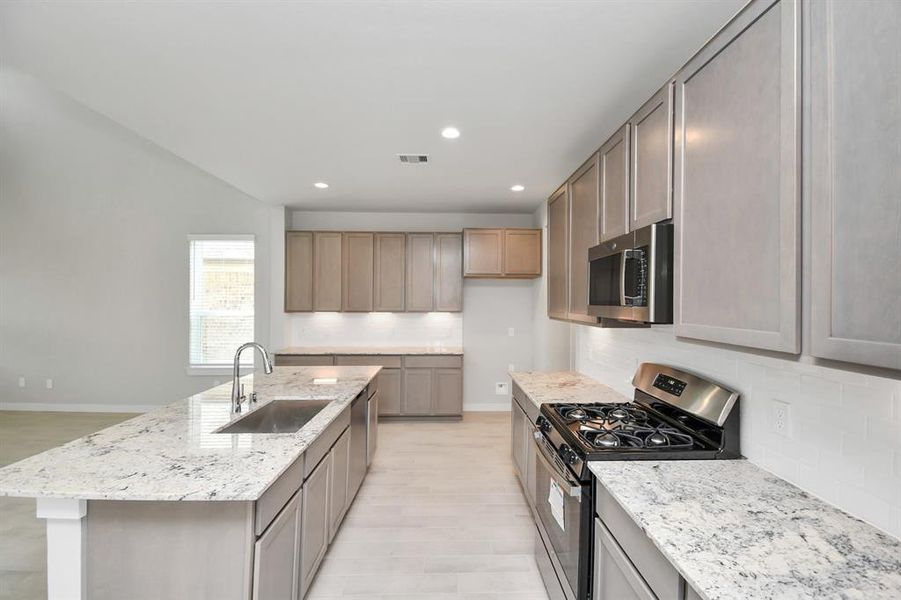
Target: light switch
[(21, 382), (511, 332), (49, 384)]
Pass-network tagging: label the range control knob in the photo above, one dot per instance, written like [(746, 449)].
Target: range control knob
[(543, 424), (567, 454)]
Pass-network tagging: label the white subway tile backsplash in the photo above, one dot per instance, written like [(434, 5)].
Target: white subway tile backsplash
[(844, 443), (375, 329)]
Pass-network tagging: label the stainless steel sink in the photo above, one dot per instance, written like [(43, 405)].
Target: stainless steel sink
[(279, 416)]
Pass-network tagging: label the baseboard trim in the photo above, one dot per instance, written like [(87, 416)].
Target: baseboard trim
[(57, 407), (488, 407)]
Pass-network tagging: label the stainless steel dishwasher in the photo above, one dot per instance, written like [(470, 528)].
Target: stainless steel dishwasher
[(358, 443)]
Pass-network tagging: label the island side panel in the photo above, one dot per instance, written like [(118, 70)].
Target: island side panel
[(151, 550)]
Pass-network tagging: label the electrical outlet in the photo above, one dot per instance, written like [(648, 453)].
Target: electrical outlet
[(511, 367), (511, 332), (21, 382), (500, 388), (49, 384), (781, 418)]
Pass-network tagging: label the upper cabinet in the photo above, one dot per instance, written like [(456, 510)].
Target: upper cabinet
[(737, 184), (420, 272), (614, 185), (651, 161), (557, 254), (583, 234), (448, 269), (298, 271), (390, 254), (357, 272), (327, 263), (853, 157), (502, 253)]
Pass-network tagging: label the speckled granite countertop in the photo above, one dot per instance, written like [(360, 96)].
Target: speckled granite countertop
[(563, 386), (173, 454), (374, 350), (737, 532)]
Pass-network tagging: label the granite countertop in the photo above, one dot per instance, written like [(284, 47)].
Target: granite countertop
[(374, 350), (564, 386), (172, 453), (736, 531)]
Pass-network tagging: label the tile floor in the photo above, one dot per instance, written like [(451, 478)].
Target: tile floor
[(439, 517)]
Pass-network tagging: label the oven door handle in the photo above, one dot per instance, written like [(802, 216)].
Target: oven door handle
[(570, 488)]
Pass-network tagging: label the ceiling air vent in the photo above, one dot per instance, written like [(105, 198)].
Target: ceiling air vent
[(413, 159)]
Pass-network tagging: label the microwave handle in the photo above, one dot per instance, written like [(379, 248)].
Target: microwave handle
[(624, 256)]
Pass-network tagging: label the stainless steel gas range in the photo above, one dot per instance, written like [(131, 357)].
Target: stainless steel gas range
[(674, 416)]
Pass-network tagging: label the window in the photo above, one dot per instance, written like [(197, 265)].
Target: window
[(221, 309)]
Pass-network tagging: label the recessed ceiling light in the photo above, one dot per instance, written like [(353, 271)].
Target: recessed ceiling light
[(517, 187), (450, 133), (321, 185)]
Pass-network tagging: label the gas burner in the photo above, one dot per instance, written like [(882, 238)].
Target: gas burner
[(637, 437), (602, 416), (612, 439)]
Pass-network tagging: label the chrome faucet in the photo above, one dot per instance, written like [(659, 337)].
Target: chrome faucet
[(238, 388)]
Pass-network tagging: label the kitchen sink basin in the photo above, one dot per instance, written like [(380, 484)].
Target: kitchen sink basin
[(279, 416)]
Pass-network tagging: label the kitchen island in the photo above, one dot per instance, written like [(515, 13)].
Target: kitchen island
[(163, 506)]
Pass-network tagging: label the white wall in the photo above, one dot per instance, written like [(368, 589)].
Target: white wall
[(551, 339), (490, 308), (844, 443), (94, 256)]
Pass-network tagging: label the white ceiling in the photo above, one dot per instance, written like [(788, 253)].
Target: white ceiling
[(274, 96)]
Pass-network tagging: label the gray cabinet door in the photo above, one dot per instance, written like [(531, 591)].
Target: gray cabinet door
[(389, 392), (327, 270), (315, 523), (448, 272), (357, 271), (339, 456), (484, 252), (417, 391), (276, 555), (737, 184), (420, 286), (651, 169), (583, 234), (615, 578), (390, 272), (448, 393), (557, 254), (522, 252), (298, 271), (614, 185), (854, 192)]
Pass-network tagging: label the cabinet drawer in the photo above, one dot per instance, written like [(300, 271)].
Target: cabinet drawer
[(365, 360), (656, 570), (303, 360), (277, 495), (437, 362)]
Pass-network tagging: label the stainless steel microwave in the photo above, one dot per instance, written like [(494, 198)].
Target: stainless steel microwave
[(630, 278)]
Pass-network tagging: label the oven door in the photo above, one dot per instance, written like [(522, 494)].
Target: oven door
[(612, 278), (559, 506)]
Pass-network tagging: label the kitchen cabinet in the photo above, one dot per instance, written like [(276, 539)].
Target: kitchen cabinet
[(390, 253), (315, 524), (518, 430), (558, 254), (327, 246), (853, 157), (420, 284), (448, 272), (483, 252), (389, 392), (583, 234), (615, 578), (357, 271), (502, 253), (613, 168), (433, 385), (651, 161), (372, 427), (339, 457), (522, 253), (737, 183), (276, 555), (298, 271)]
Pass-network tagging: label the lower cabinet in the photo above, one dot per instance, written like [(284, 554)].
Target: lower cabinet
[(389, 392), (433, 391), (276, 555), (315, 523), (339, 457), (418, 391), (615, 578), (518, 441), (372, 427)]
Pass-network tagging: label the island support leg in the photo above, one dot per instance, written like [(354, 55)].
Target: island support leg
[(65, 547)]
